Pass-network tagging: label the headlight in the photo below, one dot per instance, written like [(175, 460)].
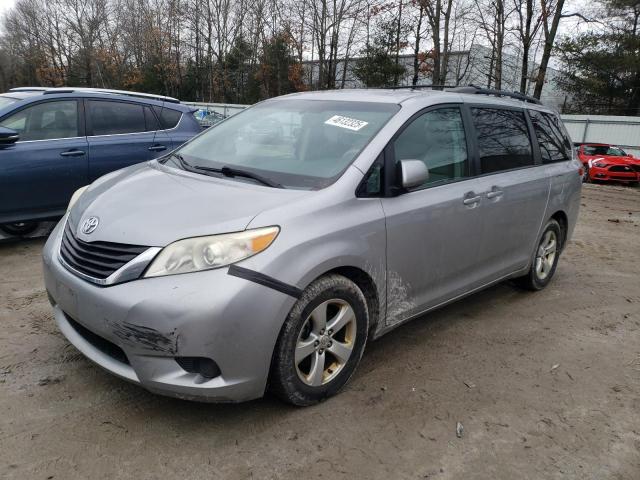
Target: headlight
[(600, 164), (206, 253), (76, 195)]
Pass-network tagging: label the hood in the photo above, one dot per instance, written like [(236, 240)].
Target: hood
[(153, 205)]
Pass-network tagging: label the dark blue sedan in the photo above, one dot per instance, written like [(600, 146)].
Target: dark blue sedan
[(56, 140)]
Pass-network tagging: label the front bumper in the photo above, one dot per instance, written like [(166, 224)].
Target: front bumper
[(605, 174), (208, 314)]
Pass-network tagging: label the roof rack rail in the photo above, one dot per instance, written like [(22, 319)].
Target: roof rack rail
[(28, 89), (418, 87), (54, 90), (149, 96), (474, 89)]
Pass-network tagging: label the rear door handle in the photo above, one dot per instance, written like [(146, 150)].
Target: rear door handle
[(494, 193), (157, 148), (469, 200), (72, 153)]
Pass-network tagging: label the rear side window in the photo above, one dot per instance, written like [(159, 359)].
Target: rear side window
[(150, 120), (112, 118), (554, 144), (438, 139), (168, 118), (45, 121), (503, 139)]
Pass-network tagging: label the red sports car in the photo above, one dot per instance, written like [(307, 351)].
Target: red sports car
[(605, 162)]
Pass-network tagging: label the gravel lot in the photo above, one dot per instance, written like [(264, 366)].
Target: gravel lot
[(546, 385)]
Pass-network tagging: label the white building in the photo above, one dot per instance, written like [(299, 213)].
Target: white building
[(470, 67)]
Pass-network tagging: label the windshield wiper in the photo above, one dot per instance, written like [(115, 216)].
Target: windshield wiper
[(226, 171), (183, 163), (234, 172)]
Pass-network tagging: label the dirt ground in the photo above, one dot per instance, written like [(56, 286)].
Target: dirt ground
[(546, 385)]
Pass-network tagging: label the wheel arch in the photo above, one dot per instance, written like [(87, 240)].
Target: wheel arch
[(561, 217), (367, 284)]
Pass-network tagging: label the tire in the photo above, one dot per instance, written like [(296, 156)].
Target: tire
[(302, 343), (585, 176), (543, 267), (19, 228)]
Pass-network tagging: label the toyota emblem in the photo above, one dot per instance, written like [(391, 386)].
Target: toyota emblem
[(89, 225)]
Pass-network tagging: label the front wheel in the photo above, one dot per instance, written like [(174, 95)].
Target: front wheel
[(585, 175), (321, 342), (545, 258), (19, 228)]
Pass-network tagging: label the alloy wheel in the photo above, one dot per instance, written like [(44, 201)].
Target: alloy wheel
[(546, 254), (325, 342)]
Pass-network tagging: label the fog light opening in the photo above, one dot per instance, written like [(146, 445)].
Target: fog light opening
[(202, 366)]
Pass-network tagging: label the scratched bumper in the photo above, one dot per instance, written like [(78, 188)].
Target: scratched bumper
[(206, 314)]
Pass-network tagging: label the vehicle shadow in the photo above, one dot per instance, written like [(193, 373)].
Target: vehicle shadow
[(41, 233)]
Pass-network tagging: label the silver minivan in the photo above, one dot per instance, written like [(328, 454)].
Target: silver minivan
[(266, 252)]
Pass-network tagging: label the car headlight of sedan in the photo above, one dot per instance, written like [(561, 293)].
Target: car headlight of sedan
[(76, 195), (206, 253), (600, 164)]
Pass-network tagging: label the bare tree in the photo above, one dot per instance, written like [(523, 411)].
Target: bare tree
[(528, 27), (551, 15)]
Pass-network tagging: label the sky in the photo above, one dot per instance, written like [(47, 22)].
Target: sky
[(6, 5)]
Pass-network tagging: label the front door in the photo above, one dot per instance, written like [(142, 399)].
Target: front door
[(40, 172), (433, 232)]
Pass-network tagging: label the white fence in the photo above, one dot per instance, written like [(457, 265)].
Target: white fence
[(621, 131)]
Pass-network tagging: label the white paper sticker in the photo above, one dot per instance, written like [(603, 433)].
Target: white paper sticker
[(346, 122)]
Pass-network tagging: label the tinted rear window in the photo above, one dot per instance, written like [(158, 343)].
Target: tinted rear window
[(503, 139), (112, 118), (150, 119), (555, 146), (168, 118)]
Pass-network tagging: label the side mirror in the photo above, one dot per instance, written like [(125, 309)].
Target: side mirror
[(413, 173), (8, 136)]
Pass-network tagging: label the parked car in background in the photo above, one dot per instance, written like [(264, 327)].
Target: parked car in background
[(54, 140), (269, 249), (604, 162)]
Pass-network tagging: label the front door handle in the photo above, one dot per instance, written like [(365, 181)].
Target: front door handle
[(471, 199), (72, 153), (157, 148)]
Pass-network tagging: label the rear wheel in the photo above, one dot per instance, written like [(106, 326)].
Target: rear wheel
[(19, 228), (321, 342), (545, 258)]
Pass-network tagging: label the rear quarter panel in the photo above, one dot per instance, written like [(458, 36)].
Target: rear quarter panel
[(566, 188)]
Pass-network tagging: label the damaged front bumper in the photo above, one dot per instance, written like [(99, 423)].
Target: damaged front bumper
[(143, 330)]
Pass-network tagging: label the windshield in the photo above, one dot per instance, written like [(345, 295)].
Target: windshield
[(604, 150), (4, 101), (297, 143)]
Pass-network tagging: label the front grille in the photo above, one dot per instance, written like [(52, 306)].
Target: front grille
[(621, 168), (102, 344), (96, 259), (636, 167)]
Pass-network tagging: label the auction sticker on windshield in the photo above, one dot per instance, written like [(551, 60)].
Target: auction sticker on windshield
[(346, 122)]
